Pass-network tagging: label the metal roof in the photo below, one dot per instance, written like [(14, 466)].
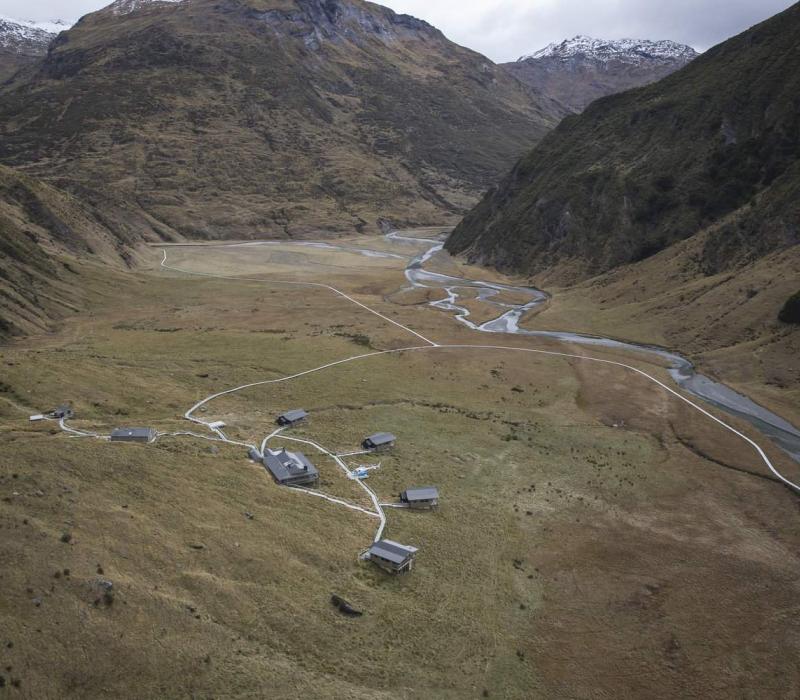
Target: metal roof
[(133, 432), (286, 466), (381, 438), (421, 493), (392, 551), (294, 415)]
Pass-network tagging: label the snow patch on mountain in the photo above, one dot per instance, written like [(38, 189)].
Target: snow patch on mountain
[(604, 50), (125, 7)]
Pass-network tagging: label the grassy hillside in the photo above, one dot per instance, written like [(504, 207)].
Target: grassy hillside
[(713, 146), (43, 232), (255, 117)]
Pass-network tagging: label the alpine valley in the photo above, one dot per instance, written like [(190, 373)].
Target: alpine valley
[(339, 361)]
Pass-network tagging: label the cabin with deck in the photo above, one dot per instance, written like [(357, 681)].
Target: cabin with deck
[(291, 418), (379, 441), (392, 556), (290, 468), (421, 497)]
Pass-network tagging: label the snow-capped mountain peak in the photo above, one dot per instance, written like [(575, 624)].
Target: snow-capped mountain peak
[(53, 26), (604, 50), (28, 36)]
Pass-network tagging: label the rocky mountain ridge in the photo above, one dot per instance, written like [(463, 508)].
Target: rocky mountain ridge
[(23, 42), (28, 30), (605, 50), (577, 71)]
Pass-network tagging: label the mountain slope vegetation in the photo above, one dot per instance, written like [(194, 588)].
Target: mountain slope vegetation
[(46, 237), (241, 118), (712, 147)]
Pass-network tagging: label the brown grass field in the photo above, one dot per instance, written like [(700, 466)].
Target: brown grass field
[(597, 537)]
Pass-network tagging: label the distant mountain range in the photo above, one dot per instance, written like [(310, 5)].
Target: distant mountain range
[(686, 190), (22, 43), (634, 51), (578, 71)]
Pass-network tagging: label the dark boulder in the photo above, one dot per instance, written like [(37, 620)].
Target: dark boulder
[(790, 313), (344, 607)]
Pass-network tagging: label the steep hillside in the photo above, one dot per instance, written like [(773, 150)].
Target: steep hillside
[(22, 43), (580, 70), (713, 147), (43, 234), (241, 118)]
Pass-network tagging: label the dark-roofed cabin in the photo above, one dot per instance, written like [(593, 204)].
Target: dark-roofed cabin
[(292, 417), (421, 497), (392, 556), (379, 441), (133, 435), (63, 412), (290, 468)]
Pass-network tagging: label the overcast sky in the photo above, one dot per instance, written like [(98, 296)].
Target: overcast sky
[(506, 29)]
